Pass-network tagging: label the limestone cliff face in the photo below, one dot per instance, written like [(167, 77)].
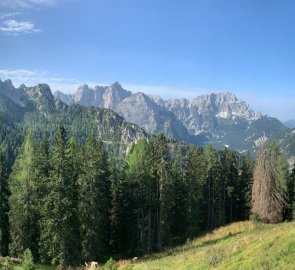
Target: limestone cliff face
[(218, 118)]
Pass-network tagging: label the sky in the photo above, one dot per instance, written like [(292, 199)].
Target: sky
[(171, 48)]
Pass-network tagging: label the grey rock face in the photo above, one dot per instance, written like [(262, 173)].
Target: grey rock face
[(8, 90), (136, 108), (201, 113), (100, 96), (221, 119)]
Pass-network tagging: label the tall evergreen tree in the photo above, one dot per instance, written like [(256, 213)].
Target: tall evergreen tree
[(23, 215), (4, 208), (195, 177), (245, 182), (59, 239), (214, 189), (141, 185), (161, 172), (94, 207), (230, 187), (178, 205)]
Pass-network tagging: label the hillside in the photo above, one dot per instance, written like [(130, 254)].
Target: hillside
[(241, 245)]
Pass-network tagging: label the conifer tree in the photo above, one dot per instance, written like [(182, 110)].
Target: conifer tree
[(59, 239), (195, 176), (178, 205), (268, 192), (213, 189), (4, 208), (141, 187), (230, 185), (161, 168), (245, 182), (94, 206), (23, 215)]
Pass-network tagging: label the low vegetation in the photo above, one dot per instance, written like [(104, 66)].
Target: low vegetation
[(241, 245)]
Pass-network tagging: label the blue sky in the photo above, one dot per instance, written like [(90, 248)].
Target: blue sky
[(173, 48)]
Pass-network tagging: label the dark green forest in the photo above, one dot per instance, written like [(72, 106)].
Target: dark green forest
[(69, 202)]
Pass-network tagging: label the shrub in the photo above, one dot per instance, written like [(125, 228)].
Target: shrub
[(110, 265), (28, 263), (6, 264)]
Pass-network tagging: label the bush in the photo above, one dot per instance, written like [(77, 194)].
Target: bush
[(6, 264), (28, 263), (110, 265)]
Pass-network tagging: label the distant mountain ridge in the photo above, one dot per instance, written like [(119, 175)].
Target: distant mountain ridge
[(290, 123), (218, 118), (35, 109)]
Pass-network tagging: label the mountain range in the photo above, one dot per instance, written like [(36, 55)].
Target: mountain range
[(35, 109), (120, 117), (220, 119)]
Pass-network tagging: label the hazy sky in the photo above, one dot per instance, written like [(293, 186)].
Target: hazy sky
[(173, 48)]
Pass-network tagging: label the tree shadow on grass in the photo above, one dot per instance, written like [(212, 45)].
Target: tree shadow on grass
[(174, 251)]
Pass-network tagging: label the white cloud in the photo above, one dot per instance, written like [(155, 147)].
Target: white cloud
[(8, 15), (24, 4), (18, 27), (33, 77)]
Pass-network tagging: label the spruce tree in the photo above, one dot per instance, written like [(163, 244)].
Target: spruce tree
[(178, 205), (23, 215), (141, 200), (161, 172), (245, 182), (59, 240), (4, 208), (230, 183), (214, 189), (195, 177), (94, 206)]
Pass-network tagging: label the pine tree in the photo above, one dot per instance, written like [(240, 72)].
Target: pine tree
[(230, 187), (245, 182), (214, 189), (23, 215), (178, 208), (4, 208), (195, 175), (125, 213), (59, 240), (141, 187), (94, 207), (268, 192), (161, 171)]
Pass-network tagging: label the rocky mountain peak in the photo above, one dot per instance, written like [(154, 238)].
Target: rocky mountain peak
[(8, 84), (16, 95), (114, 94)]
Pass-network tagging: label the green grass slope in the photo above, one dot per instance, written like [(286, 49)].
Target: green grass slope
[(241, 245)]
